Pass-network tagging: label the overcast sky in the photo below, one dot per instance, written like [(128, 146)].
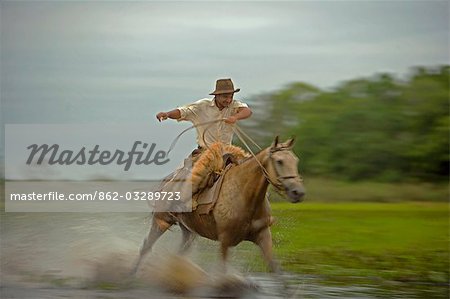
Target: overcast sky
[(125, 61), (122, 62)]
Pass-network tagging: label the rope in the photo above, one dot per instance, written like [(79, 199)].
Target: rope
[(172, 145), (209, 123), (246, 136), (239, 133)]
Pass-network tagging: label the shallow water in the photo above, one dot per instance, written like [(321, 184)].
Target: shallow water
[(74, 255)]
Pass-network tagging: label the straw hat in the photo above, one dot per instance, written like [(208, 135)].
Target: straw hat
[(224, 86)]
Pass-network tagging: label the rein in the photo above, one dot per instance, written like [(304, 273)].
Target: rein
[(278, 185), (209, 123), (239, 133)]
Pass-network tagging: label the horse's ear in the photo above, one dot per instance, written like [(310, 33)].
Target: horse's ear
[(290, 142), (275, 142)]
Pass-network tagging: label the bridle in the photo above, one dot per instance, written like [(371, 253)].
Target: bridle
[(239, 132), (279, 184)]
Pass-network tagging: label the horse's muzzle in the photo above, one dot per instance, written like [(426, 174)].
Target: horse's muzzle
[(296, 194)]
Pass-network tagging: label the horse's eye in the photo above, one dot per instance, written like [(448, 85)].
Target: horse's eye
[(280, 162)]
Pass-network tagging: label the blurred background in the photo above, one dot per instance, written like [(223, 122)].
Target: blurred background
[(364, 87)]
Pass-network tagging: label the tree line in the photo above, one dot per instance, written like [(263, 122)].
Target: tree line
[(378, 128)]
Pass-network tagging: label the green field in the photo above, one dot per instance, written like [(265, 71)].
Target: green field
[(364, 242), (391, 243), (320, 189)]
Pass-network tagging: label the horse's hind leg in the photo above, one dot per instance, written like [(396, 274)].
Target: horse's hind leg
[(159, 226), (188, 238)]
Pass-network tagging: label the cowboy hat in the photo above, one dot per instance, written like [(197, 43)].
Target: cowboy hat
[(224, 86)]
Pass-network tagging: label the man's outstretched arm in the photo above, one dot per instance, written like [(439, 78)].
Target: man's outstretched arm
[(173, 114)]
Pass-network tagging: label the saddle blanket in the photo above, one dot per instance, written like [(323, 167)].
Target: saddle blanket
[(205, 201)]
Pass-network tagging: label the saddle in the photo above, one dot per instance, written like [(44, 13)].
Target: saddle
[(208, 173), (205, 200)]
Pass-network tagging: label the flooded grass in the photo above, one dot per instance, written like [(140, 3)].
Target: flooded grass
[(404, 244), (347, 249)]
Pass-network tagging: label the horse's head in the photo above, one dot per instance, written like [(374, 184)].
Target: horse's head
[(282, 170)]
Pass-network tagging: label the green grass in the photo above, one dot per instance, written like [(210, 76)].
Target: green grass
[(348, 232), (405, 242), (330, 190)]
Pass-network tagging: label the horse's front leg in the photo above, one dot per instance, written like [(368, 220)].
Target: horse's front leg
[(224, 245), (224, 252), (159, 226), (188, 238), (264, 241)]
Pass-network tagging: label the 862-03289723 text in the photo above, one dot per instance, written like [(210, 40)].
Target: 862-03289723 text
[(98, 195)]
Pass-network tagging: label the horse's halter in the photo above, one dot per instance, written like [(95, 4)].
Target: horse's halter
[(279, 179), (279, 184)]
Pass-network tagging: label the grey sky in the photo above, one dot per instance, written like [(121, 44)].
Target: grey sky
[(124, 61), (121, 62)]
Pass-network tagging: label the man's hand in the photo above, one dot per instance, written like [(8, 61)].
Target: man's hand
[(162, 116), (231, 120), (173, 114), (243, 113)]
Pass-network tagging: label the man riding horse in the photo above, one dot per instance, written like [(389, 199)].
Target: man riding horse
[(217, 134), (241, 211)]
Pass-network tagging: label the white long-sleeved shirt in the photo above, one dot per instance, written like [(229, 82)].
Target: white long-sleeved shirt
[(205, 110)]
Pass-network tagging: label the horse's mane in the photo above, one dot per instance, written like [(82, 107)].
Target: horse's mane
[(250, 157)]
